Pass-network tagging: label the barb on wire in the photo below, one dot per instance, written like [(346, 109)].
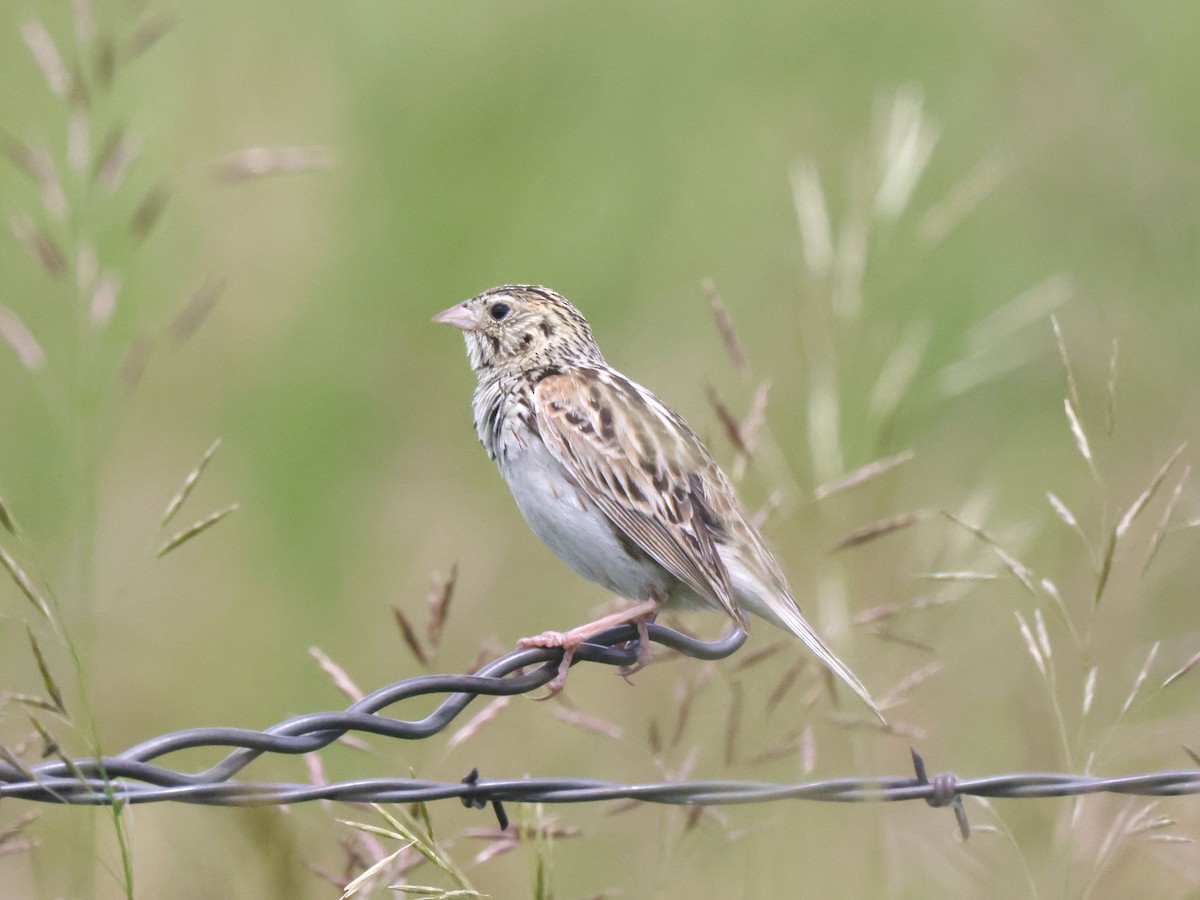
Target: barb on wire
[(134, 777)]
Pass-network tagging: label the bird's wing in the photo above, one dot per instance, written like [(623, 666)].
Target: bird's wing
[(645, 469)]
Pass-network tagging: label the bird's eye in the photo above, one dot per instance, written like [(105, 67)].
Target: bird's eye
[(498, 311)]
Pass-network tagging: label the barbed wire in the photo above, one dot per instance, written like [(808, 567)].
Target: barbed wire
[(133, 777)]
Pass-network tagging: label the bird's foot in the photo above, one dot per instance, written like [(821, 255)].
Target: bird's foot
[(568, 642), (643, 645)]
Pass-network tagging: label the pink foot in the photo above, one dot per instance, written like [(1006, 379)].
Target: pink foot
[(643, 659), (565, 640), (569, 641)]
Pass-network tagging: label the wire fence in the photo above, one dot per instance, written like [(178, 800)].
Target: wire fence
[(134, 777)]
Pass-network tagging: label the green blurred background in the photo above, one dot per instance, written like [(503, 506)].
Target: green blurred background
[(621, 153)]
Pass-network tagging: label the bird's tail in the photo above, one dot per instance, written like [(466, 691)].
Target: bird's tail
[(788, 616)]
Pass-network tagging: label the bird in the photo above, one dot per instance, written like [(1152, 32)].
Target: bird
[(611, 479)]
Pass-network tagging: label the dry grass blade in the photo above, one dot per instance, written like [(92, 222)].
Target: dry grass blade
[(104, 59), (725, 326), (812, 217), (1042, 635), (409, 634), (337, 674), (439, 606), (136, 359), (14, 760), (195, 311), (148, 211), (905, 151), (824, 428), (115, 158), (481, 718), (6, 518), (56, 696), (422, 841), (1030, 307), (194, 530), (1051, 590), (13, 848), (1064, 359), (32, 700), (850, 265), (1089, 690), (189, 484), (21, 155), (789, 746), (40, 247), (47, 57), (24, 583), (41, 166), (1141, 678), (961, 200), (1148, 494), (969, 373), (785, 684), (864, 474), (1106, 563), (899, 692), (654, 739), (1192, 754), (686, 691), (14, 828), (80, 96), (1164, 521), (1030, 644), (765, 652), (958, 576), (876, 615), (49, 744), (898, 372), (808, 750), (255, 162), (18, 336), (1081, 441), (146, 35), (1068, 519), (592, 724), (756, 417), (1182, 670), (877, 530), (372, 871), (1019, 570), (893, 637), (726, 418), (316, 770), (104, 299), (85, 21)]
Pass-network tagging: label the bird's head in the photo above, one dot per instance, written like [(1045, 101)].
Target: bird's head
[(522, 326)]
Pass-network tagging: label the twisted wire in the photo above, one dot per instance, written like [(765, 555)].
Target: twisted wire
[(133, 777)]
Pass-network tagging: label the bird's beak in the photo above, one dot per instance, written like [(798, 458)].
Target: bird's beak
[(460, 316)]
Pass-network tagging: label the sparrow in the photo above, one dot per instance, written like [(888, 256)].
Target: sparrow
[(612, 479)]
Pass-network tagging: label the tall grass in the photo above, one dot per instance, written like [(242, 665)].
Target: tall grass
[(956, 443)]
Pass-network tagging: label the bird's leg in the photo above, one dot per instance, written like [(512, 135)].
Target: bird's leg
[(643, 641), (569, 641)]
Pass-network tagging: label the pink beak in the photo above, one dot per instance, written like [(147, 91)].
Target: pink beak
[(460, 316)]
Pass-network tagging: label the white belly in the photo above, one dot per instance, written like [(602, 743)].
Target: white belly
[(573, 527)]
